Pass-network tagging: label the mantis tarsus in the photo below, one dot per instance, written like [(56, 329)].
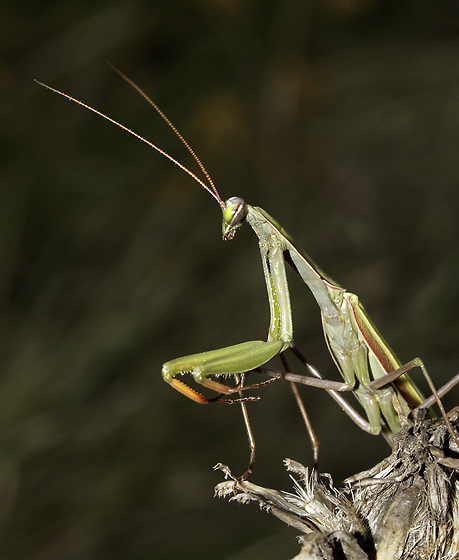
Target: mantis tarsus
[(368, 366)]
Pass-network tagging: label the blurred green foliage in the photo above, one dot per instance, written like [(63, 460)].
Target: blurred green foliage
[(339, 117)]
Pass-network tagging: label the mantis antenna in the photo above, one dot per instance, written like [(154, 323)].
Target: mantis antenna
[(210, 188)]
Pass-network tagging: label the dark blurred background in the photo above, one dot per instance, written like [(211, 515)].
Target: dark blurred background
[(339, 117)]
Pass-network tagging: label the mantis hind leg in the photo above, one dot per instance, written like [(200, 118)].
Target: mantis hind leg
[(395, 375), (441, 392), (370, 399)]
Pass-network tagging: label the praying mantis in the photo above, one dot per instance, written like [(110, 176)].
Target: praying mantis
[(367, 365), (360, 353)]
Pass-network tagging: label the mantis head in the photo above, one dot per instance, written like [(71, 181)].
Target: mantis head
[(234, 211)]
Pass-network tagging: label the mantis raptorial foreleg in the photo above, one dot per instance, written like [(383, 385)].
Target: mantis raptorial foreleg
[(248, 355)]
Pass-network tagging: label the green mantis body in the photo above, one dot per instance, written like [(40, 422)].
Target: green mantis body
[(365, 361), (357, 348)]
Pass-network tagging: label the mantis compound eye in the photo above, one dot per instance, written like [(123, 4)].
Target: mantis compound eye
[(234, 212)]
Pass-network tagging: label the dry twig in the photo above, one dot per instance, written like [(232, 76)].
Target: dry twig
[(404, 508)]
